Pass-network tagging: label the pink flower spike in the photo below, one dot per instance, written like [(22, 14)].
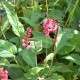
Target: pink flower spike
[(26, 39), (49, 25), (29, 29), (3, 74)]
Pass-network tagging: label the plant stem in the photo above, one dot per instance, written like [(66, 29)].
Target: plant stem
[(46, 47), (35, 54), (35, 57), (52, 57), (71, 14), (27, 56), (67, 8), (54, 46), (56, 2), (46, 52), (32, 2), (14, 1), (16, 60), (47, 16), (47, 7)]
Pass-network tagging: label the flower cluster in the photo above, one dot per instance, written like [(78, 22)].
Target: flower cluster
[(3, 74), (26, 39), (49, 25)]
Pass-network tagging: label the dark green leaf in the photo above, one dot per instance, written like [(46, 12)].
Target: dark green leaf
[(28, 56), (29, 21), (40, 36), (7, 49), (75, 58), (55, 76)]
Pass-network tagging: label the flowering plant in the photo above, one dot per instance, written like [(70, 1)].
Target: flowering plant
[(26, 39), (3, 74), (39, 40)]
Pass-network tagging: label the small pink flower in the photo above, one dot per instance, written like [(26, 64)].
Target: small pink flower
[(46, 32), (24, 44), (29, 29), (49, 25), (23, 40), (3, 74), (55, 27), (26, 39), (54, 20), (28, 46)]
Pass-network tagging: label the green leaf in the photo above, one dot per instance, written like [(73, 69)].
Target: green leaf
[(45, 71), (40, 36), (29, 21), (28, 76), (67, 41), (77, 47), (55, 76), (67, 76), (17, 27), (63, 37), (60, 67), (36, 16), (26, 12), (49, 57), (75, 39), (66, 49), (75, 58), (5, 53), (8, 4), (35, 70), (56, 13), (28, 56), (5, 25), (20, 78), (56, 68), (15, 73), (7, 49), (36, 45), (15, 40), (4, 62)]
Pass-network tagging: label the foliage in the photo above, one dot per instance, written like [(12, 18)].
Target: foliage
[(43, 60)]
